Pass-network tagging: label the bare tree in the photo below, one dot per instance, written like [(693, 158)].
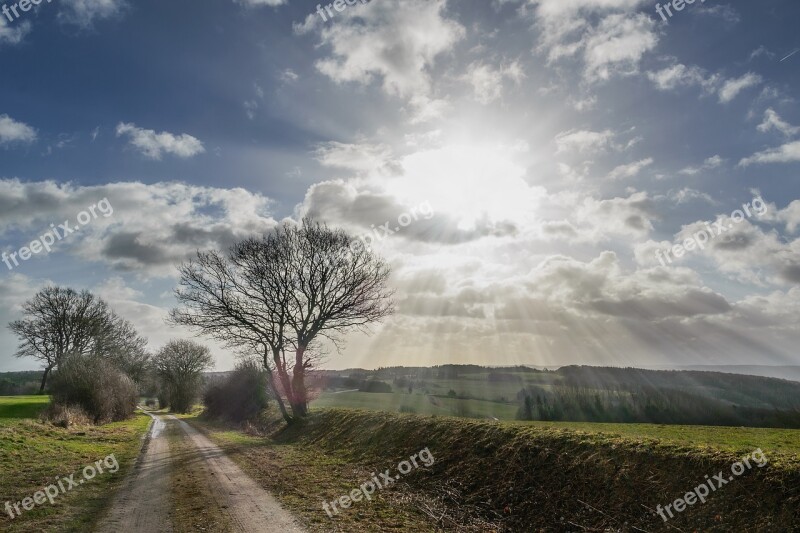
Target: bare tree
[(122, 345), (279, 294), (58, 322), (180, 365)]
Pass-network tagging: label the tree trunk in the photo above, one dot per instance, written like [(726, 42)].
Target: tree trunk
[(279, 399), (44, 378), (283, 376), (300, 404), (274, 386)]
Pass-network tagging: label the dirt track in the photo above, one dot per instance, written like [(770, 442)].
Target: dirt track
[(144, 502)]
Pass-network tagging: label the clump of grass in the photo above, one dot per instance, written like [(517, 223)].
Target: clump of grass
[(65, 416)]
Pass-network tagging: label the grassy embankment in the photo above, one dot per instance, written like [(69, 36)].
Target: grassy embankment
[(33, 453), (521, 477)]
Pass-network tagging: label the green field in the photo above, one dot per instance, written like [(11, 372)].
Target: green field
[(781, 442), (417, 403), (15, 407), (33, 454)]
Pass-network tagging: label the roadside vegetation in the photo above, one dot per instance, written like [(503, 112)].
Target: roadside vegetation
[(33, 453), (541, 476)]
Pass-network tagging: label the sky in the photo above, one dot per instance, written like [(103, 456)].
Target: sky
[(552, 181)]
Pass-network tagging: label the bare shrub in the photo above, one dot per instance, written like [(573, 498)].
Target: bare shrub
[(94, 384), (65, 416), (241, 396)]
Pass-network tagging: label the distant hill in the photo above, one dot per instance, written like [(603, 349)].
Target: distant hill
[(571, 393), (781, 372)]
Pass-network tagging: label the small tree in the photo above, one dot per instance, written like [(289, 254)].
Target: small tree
[(277, 295), (179, 366)]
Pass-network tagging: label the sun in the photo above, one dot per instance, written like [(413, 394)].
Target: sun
[(470, 182)]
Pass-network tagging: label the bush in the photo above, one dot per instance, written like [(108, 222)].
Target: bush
[(375, 386), (65, 416), (95, 385), (240, 396)]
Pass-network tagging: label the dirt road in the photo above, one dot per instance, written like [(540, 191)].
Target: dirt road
[(236, 502)]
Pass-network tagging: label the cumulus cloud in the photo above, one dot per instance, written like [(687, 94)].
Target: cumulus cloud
[(631, 216), (617, 45), (153, 145), (152, 229), (393, 42), (608, 35), (12, 131)]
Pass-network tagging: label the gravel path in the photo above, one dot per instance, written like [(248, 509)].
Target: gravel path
[(143, 503)]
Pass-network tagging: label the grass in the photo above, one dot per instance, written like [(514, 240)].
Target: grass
[(301, 478), (191, 500), (516, 475), (15, 407), (416, 403), (782, 443), (33, 454)]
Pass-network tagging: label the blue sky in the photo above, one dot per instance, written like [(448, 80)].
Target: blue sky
[(559, 144)]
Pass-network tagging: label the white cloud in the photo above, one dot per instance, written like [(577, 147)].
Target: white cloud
[(259, 3), (392, 41), (609, 35), (487, 81), (288, 76), (630, 170), (679, 75), (84, 12), (617, 45), (153, 145), (589, 142), (773, 121), (12, 131), (788, 153), (688, 194), (152, 228), (361, 157), (731, 88), (583, 141), (709, 164), (13, 34), (631, 216)]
